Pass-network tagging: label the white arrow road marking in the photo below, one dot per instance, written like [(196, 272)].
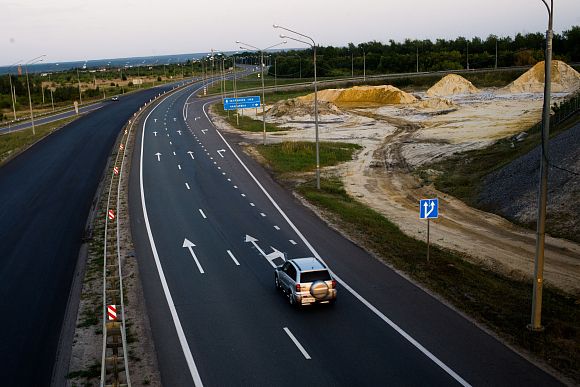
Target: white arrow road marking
[(203, 131), (158, 156), (190, 246), (155, 133), (220, 152), (233, 258), (155, 119), (371, 307), (179, 131), (297, 343), (196, 118), (174, 119), (191, 154), (269, 257)]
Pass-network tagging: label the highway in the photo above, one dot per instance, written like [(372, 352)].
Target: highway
[(45, 197), (208, 223)]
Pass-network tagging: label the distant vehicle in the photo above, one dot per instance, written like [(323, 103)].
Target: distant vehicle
[(305, 281), (114, 98)]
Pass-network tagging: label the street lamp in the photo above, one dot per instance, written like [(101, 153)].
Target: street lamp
[(244, 46), (32, 61), (13, 89), (536, 320), (313, 46)]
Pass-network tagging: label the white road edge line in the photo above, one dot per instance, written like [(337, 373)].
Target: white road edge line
[(180, 333), (399, 330), (297, 343), (202, 214), (233, 258)]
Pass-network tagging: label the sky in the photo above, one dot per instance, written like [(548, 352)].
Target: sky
[(67, 30)]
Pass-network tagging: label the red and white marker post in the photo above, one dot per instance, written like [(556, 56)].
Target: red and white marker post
[(111, 215), (116, 170), (112, 312)]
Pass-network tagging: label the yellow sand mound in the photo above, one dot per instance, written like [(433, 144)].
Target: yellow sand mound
[(452, 84), (382, 95), (435, 103), (295, 107), (564, 79)]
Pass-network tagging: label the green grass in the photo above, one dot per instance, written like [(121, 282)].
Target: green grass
[(300, 156), (13, 143), (93, 371), (462, 174), (501, 303), (245, 123)]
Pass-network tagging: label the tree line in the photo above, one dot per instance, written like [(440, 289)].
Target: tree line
[(398, 57)]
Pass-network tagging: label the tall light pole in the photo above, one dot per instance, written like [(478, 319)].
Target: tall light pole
[(364, 66), (468, 54), (32, 61), (79, 82), (312, 44), (536, 320), (236, 92), (13, 89), (244, 46)]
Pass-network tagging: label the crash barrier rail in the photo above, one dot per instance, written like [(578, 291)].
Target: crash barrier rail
[(114, 360)]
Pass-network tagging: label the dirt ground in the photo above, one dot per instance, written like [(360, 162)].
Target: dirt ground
[(398, 137)]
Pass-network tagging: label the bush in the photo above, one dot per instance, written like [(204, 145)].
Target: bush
[(159, 78)]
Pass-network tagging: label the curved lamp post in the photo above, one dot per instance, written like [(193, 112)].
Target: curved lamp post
[(31, 61), (246, 46), (536, 320), (312, 44)]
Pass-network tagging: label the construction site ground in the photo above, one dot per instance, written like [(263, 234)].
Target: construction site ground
[(399, 137)]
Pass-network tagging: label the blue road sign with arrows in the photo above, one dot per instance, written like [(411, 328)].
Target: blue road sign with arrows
[(241, 103), (429, 208)]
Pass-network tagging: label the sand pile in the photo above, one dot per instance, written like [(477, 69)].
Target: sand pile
[(435, 103), (564, 79), (452, 84), (382, 95), (296, 107)]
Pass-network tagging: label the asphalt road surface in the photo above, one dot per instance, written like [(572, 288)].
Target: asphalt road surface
[(216, 317), (45, 197)]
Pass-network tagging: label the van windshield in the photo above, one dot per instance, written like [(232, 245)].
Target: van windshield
[(311, 276)]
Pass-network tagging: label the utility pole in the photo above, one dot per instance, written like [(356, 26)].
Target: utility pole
[(417, 57), (80, 94), (468, 54), (495, 54), (536, 320), (364, 66)]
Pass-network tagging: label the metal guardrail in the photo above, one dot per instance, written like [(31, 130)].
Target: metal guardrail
[(114, 359)]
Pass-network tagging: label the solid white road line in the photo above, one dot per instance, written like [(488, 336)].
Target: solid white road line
[(292, 241), (297, 343), (377, 312), (187, 185), (202, 214), (178, 327), (233, 258)]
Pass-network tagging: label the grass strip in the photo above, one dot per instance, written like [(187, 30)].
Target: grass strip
[(499, 302), (13, 143)]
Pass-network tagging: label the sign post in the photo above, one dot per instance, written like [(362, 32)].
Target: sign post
[(241, 103), (428, 209)]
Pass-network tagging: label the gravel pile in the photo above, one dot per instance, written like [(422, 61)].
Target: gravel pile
[(513, 190)]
